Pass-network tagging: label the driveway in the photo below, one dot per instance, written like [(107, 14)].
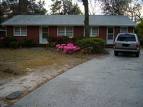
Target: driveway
[(107, 81)]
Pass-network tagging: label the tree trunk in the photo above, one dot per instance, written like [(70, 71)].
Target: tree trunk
[(86, 20), (22, 7)]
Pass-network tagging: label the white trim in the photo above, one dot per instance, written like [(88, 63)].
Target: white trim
[(20, 31), (84, 32), (111, 41), (41, 40), (133, 30)]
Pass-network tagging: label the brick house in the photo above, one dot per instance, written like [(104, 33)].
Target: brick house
[(37, 27)]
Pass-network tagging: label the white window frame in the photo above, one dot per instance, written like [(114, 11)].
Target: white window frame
[(58, 34), (43, 27), (91, 31), (65, 31), (20, 31), (124, 29)]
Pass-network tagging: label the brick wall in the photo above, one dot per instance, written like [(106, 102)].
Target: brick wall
[(102, 32)]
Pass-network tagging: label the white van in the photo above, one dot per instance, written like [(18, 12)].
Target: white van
[(127, 42)]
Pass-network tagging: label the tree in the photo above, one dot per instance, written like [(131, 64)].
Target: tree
[(134, 11), (9, 8), (131, 8), (139, 31), (36, 8), (64, 7), (115, 7), (86, 20)]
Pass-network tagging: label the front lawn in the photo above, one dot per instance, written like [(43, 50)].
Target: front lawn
[(20, 61)]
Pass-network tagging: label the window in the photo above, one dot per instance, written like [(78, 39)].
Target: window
[(126, 37), (110, 33), (65, 31), (44, 32), (61, 31), (69, 31), (20, 31), (123, 29), (94, 31)]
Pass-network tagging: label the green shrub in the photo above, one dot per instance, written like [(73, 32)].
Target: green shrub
[(58, 40), (62, 39), (26, 43), (75, 39), (51, 39), (14, 44), (91, 45), (11, 42), (7, 40), (1, 45), (139, 31)]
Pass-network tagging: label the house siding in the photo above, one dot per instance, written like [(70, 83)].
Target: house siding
[(131, 29), (78, 31), (102, 32), (33, 34), (52, 31), (9, 31)]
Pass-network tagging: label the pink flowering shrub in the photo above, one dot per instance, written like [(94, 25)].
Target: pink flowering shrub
[(68, 48)]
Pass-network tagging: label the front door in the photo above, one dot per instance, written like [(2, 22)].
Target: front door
[(110, 35), (43, 36)]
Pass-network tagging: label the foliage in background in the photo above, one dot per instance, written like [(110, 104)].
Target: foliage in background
[(139, 30), (9, 8), (115, 7), (65, 7), (131, 8), (91, 45)]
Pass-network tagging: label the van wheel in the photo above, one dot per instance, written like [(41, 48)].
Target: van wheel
[(137, 54), (115, 53)]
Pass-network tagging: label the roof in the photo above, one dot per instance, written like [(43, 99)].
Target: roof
[(76, 20)]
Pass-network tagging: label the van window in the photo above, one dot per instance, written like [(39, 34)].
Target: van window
[(126, 37)]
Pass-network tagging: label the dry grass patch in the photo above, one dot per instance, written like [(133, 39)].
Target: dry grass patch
[(20, 61)]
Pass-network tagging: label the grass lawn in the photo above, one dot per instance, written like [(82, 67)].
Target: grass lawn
[(19, 61)]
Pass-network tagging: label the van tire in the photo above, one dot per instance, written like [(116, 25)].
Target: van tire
[(115, 53), (137, 54)]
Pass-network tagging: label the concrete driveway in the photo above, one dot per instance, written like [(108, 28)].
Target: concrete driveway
[(108, 81)]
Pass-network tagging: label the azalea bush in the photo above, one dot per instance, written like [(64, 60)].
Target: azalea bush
[(91, 45)]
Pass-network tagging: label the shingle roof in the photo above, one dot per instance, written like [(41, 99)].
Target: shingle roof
[(95, 20)]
